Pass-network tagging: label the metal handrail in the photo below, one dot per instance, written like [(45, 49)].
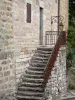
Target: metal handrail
[(60, 41)]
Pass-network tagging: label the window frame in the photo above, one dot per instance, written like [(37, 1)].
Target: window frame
[(28, 13)]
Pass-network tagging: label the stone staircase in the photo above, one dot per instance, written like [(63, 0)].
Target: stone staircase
[(32, 87)]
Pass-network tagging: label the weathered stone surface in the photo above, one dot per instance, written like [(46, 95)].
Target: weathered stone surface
[(4, 62), (0, 68), (1, 81), (6, 56), (9, 8), (11, 77), (10, 96), (1, 75), (5, 80), (57, 82), (3, 55), (5, 68), (2, 94), (7, 73)]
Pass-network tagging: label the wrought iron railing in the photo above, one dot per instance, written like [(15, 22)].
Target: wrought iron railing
[(51, 37)]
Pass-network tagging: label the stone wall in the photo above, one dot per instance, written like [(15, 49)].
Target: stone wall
[(64, 12), (26, 35), (7, 65), (57, 84)]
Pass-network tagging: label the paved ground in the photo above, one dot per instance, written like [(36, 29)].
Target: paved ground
[(70, 95)]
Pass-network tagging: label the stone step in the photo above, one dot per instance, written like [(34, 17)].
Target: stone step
[(39, 61), (33, 79), (37, 54), (40, 58), (30, 93), (43, 52), (45, 48), (19, 97), (27, 89), (34, 72), (31, 84), (37, 64), (34, 76), (37, 68)]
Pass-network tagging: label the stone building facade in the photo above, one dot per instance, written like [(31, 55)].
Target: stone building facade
[(7, 65), (19, 39), (64, 12)]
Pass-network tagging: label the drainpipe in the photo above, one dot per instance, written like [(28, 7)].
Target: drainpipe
[(58, 26), (58, 15)]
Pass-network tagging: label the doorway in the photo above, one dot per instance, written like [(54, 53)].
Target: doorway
[(41, 27)]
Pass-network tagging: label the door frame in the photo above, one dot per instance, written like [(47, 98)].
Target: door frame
[(41, 27)]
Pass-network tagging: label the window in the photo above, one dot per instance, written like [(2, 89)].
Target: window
[(28, 13)]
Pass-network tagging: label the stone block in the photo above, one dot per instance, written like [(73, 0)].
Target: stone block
[(7, 73), (12, 77), (1, 75), (3, 55), (6, 86), (6, 43), (5, 80), (12, 66), (9, 8), (2, 94), (5, 68), (1, 81), (0, 68), (4, 62), (13, 72), (4, 20), (10, 32)]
